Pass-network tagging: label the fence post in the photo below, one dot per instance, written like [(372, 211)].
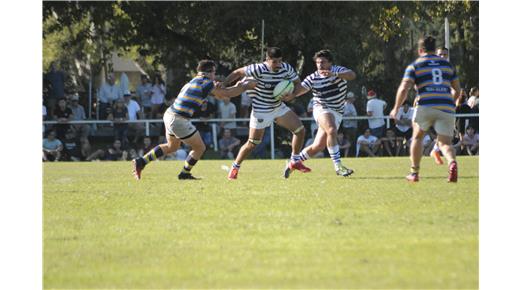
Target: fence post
[(147, 126), (214, 133)]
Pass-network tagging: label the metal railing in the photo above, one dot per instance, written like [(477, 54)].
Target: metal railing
[(213, 124)]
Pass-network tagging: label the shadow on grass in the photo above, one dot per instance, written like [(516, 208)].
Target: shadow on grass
[(403, 177)]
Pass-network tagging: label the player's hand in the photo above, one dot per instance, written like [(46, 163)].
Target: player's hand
[(288, 97), (218, 85), (393, 113), (326, 73), (247, 84)]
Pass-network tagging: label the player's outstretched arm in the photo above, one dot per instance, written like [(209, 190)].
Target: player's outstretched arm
[(298, 91), (235, 75), (221, 92), (402, 92)]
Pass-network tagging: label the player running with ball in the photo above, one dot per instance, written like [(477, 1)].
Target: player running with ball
[(268, 109), (329, 89)]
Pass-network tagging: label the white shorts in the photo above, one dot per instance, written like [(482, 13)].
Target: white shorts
[(264, 120), (178, 126), (442, 122), (317, 110)]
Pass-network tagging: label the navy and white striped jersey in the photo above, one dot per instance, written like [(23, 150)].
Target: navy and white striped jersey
[(262, 94), (328, 92)]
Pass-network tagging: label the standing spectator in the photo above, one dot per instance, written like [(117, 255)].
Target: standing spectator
[(207, 111), (462, 108), (375, 108), (52, 147), (228, 145), (403, 123), (113, 153), (470, 142), (56, 81), (78, 114), (227, 110), (391, 144), (134, 113), (108, 93), (119, 116), (158, 94), (144, 95), (123, 84), (63, 115), (350, 126), (368, 144)]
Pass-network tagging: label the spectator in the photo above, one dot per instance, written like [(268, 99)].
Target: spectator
[(245, 105), (119, 116), (52, 147), (403, 123), (71, 146), (158, 94), (123, 84), (391, 144), (86, 149), (470, 142), (375, 108), (63, 115), (429, 140), (144, 95), (350, 126), (108, 93), (228, 145), (207, 111), (44, 117), (147, 146), (227, 110), (56, 81), (344, 144), (473, 104), (134, 113), (78, 114), (113, 153), (368, 144), (463, 108)]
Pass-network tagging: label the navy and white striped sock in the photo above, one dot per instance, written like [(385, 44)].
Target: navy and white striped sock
[(235, 165), (304, 155), (335, 155), (295, 157)]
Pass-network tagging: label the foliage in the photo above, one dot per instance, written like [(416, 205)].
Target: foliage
[(376, 39)]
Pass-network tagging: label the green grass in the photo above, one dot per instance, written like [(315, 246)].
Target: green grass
[(103, 229)]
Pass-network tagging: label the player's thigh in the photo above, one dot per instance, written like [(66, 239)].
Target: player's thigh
[(173, 142), (327, 122), (423, 117), (195, 141), (256, 134), (289, 121), (444, 124), (418, 132), (320, 140)]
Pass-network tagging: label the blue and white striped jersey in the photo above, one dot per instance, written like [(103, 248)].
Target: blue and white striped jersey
[(262, 94), (328, 92)]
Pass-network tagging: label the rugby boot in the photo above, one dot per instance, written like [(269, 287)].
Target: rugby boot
[(298, 165), (233, 173), (413, 177), (287, 170), (138, 164), (186, 176), (436, 155), (453, 172), (343, 171)]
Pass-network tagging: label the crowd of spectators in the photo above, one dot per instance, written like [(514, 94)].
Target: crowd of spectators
[(114, 102)]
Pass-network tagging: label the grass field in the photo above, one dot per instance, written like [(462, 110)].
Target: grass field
[(103, 229)]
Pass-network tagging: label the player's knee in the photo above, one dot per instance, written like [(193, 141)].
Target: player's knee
[(251, 143), (299, 131)]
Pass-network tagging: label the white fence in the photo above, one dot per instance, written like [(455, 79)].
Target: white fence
[(213, 124)]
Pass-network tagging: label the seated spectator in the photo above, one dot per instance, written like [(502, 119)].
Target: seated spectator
[(71, 146), (470, 142), (86, 149), (119, 116), (134, 113), (403, 123), (180, 154), (78, 114), (63, 115), (344, 144), (52, 147), (44, 118), (392, 145), (207, 111), (146, 147), (113, 153), (144, 95), (228, 145), (368, 144), (227, 110)]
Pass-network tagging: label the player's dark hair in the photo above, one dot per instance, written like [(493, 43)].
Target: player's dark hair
[(427, 43), (206, 66), (325, 53), (273, 52)]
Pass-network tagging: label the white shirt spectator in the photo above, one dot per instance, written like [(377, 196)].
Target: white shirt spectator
[(143, 92), (109, 93), (133, 108), (227, 111), (349, 111), (158, 93), (402, 115), (371, 140), (245, 100), (472, 101), (377, 107)]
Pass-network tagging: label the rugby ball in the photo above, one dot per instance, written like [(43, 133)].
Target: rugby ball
[(282, 88)]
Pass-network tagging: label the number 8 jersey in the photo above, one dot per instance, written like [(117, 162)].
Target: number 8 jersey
[(433, 76)]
